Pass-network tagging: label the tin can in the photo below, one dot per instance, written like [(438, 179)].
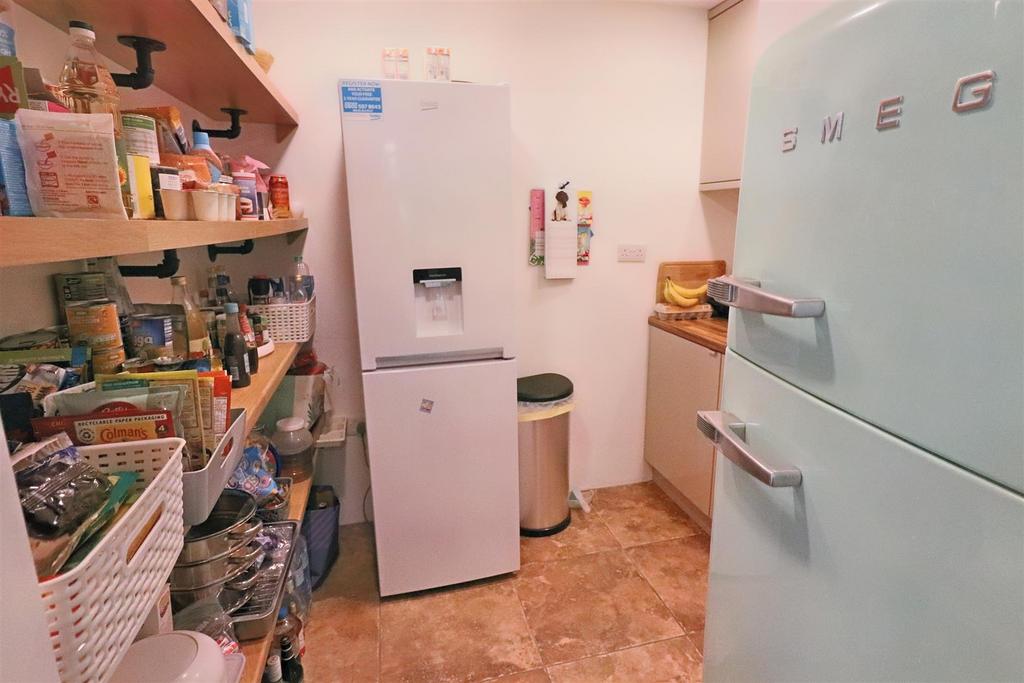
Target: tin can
[(94, 324), (107, 361), (40, 339), (279, 200), (138, 365), (152, 335)]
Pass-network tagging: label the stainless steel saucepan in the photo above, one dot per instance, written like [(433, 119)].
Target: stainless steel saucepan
[(230, 526)]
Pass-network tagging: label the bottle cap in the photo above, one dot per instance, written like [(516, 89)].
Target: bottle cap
[(75, 23), (179, 280), (282, 613), (200, 139), (297, 259), (230, 307)]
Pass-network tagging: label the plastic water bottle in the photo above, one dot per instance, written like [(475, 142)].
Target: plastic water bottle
[(302, 271)]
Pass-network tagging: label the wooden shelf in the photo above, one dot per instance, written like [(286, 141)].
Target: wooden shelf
[(204, 65), (25, 241), (255, 397), (256, 651)]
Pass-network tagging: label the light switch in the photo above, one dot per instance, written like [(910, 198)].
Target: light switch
[(636, 253)]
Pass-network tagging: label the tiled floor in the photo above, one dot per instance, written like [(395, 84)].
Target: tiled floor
[(618, 596)]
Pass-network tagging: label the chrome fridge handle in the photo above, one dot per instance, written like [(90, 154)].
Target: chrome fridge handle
[(727, 433), (732, 291)]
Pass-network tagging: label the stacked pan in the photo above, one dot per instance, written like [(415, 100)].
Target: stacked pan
[(220, 556)]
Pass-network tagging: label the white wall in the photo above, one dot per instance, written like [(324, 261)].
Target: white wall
[(607, 95)]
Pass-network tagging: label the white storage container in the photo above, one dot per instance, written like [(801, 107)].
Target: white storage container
[(94, 610), (288, 322), (202, 487)]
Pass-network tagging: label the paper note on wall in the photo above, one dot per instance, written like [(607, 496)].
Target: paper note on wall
[(536, 227), (584, 221), (560, 250)]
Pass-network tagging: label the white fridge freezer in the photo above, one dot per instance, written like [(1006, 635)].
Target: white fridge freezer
[(875, 371), (428, 169), (444, 468), (429, 191)]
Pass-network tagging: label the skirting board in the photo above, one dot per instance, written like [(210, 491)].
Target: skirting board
[(702, 520)]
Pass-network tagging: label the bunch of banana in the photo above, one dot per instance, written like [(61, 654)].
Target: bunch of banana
[(682, 296)]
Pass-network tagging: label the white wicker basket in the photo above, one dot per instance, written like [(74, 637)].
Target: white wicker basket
[(288, 322), (94, 610)]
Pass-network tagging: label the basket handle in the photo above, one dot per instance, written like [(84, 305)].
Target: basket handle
[(143, 533), (226, 451)]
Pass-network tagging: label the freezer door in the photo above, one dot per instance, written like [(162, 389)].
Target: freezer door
[(911, 234), (884, 564), (444, 473), (431, 200)]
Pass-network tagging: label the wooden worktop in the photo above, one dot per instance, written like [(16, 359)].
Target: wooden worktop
[(708, 332)]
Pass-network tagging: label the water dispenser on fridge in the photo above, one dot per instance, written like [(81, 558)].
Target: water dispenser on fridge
[(438, 294)]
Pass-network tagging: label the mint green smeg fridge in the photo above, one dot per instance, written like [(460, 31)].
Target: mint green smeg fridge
[(869, 490)]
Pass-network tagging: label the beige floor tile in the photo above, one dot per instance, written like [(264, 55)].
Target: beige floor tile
[(678, 572), (465, 634), (535, 676), (342, 641), (675, 661), (697, 638), (354, 575), (591, 605), (586, 534), (342, 637), (641, 513)]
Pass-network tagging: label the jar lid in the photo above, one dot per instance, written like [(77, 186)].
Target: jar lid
[(290, 424)]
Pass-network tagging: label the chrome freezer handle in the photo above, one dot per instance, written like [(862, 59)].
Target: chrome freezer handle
[(727, 433), (732, 291)]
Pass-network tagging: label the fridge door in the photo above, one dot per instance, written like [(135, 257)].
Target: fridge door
[(444, 472), (885, 564), (913, 235), (432, 220)]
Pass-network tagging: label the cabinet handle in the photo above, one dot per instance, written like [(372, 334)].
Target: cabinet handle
[(727, 433), (734, 292)]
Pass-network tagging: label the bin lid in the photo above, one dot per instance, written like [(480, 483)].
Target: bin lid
[(543, 388)]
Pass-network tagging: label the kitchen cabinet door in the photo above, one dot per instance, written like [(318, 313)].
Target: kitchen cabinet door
[(732, 52), (682, 377)]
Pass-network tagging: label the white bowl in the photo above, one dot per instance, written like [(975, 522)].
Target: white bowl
[(176, 205), (207, 204), (175, 657)]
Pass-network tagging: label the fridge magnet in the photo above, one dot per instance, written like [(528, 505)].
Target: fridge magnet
[(584, 221), (426, 406), (536, 227)]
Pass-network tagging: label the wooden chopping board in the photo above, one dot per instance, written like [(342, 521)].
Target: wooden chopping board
[(688, 274)]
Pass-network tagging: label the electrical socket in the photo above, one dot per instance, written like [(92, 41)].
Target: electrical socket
[(634, 253)]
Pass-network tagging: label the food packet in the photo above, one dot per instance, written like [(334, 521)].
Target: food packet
[(36, 380), (61, 495), (71, 166), (169, 398), (120, 497), (253, 477)]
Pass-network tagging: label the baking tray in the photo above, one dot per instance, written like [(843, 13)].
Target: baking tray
[(257, 617)]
